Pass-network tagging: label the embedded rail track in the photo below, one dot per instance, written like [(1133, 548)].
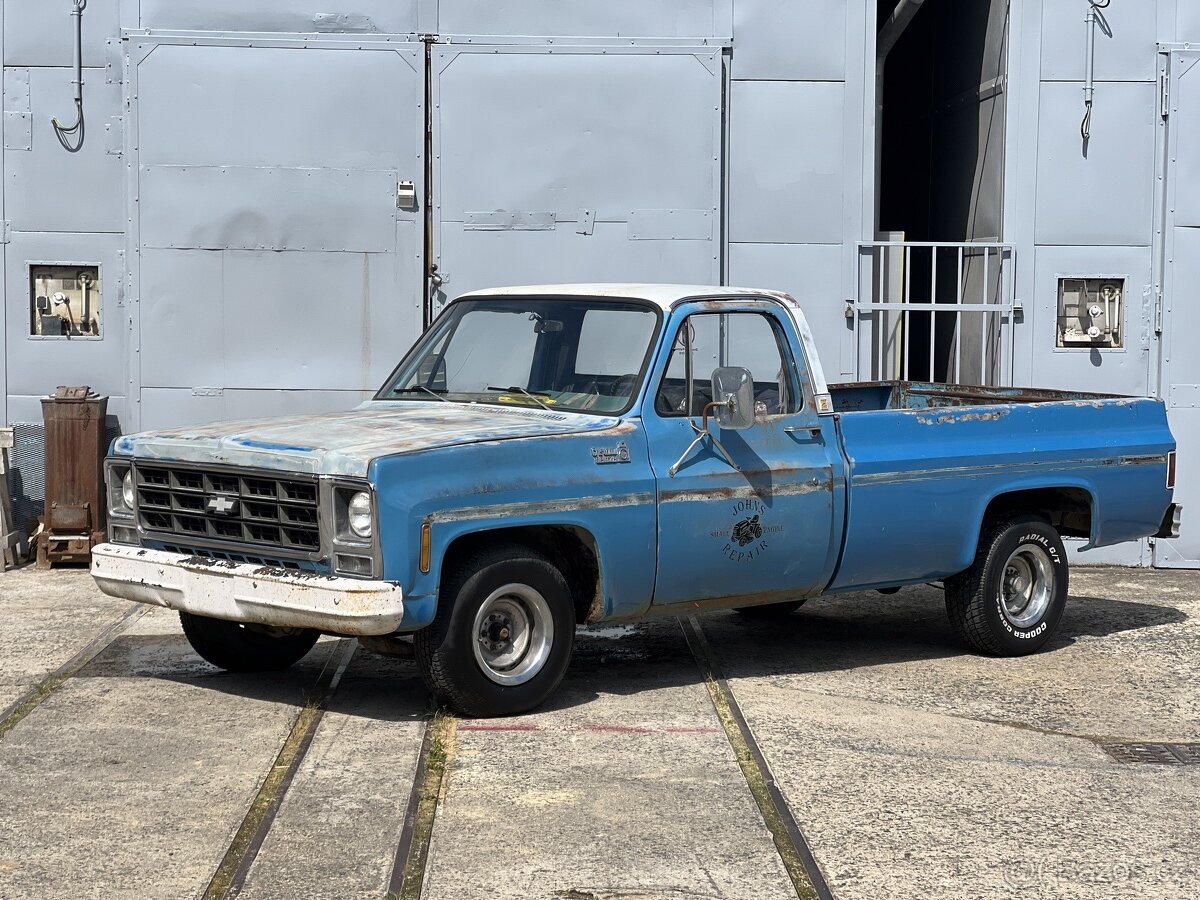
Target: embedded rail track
[(33, 698), (427, 789), (136, 760)]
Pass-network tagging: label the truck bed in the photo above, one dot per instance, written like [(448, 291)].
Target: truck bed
[(925, 461), (864, 396)]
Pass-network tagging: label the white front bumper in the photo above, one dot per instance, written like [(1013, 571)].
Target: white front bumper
[(247, 592)]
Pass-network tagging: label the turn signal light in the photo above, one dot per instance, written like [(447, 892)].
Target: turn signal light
[(425, 545), (1171, 469)]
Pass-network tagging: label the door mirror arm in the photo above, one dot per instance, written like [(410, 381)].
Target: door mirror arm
[(702, 432)]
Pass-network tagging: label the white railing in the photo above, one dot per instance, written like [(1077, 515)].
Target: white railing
[(934, 312)]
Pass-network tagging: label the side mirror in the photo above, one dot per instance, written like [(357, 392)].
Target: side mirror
[(733, 396)]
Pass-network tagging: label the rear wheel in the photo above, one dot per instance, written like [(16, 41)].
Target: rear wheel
[(770, 610), (241, 647), (1011, 600), (503, 634)]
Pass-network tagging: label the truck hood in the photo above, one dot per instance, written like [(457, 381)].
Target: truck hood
[(345, 443)]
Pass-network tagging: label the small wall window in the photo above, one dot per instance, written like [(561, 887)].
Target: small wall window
[(64, 301), (1091, 312)]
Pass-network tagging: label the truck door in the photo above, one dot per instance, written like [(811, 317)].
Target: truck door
[(763, 531)]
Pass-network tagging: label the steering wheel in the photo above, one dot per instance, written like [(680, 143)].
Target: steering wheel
[(623, 385)]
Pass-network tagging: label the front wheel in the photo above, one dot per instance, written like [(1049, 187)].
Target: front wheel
[(502, 637), (238, 647), (1011, 600)]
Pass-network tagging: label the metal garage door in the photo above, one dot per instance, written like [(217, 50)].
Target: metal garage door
[(1181, 296), (594, 163), (278, 266)]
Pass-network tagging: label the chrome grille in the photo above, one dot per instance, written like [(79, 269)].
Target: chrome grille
[(229, 508)]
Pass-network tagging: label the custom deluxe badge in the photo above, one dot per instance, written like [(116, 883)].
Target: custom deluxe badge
[(604, 456)]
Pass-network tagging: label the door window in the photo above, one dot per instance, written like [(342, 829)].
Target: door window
[(748, 340)]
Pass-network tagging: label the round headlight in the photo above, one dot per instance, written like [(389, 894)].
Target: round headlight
[(359, 514), (127, 490)]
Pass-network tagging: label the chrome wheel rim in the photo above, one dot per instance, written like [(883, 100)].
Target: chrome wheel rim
[(1026, 585), (512, 634)]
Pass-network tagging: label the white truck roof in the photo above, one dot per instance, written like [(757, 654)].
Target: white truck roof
[(666, 296)]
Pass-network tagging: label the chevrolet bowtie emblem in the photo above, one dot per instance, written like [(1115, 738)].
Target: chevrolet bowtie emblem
[(222, 505)]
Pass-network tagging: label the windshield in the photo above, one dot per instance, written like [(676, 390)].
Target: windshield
[(583, 355)]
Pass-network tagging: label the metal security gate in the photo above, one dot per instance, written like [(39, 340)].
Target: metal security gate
[(934, 312), (595, 162), (275, 232), (1180, 266)]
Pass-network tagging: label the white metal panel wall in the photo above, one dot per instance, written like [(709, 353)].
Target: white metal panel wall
[(300, 16), (584, 18), (3, 250), (59, 206), (40, 33), (1094, 217), (50, 189), (1090, 204), (36, 366), (1104, 195), (1181, 315), (576, 164), (1127, 54), (1073, 209), (801, 120), (1119, 371), (803, 40), (281, 256), (1188, 14)]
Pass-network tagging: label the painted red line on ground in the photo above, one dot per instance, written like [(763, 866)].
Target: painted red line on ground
[(653, 729), (467, 726), (620, 729), (614, 729)]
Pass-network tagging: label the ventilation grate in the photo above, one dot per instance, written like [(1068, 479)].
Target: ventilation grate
[(27, 473), (1157, 753)]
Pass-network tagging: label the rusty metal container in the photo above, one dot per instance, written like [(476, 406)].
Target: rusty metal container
[(76, 511)]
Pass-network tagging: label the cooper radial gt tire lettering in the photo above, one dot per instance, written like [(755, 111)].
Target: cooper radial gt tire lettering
[(1011, 599), (503, 634), (236, 647)]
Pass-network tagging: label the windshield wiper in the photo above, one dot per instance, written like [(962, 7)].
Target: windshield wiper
[(521, 390), (420, 387)]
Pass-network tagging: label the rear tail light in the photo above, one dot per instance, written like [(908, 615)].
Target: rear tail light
[(1171, 469)]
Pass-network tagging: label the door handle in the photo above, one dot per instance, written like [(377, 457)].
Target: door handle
[(810, 430)]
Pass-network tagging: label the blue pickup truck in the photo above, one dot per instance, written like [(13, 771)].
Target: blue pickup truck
[(551, 456)]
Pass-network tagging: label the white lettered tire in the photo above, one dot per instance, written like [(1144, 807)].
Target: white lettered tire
[(1011, 600)]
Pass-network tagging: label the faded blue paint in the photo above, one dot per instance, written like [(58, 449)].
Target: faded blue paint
[(345, 443), (269, 445), (476, 487), (891, 490), (921, 481), (789, 484)]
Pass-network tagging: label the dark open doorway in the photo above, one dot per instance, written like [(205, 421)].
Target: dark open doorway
[(941, 148)]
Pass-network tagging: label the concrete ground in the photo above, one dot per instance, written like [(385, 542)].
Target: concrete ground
[(914, 768)]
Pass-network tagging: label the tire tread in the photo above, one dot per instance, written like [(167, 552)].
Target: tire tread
[(427, 643), (966, 593), (234, 649)]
